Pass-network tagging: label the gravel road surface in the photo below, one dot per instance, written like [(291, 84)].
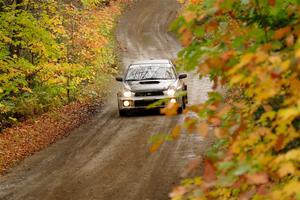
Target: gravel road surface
[(108, 158)]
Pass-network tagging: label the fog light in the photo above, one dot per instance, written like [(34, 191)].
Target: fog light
[(173, 101), (126, 103)]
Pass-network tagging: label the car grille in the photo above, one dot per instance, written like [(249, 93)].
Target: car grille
[(144, 103), (152, 93)]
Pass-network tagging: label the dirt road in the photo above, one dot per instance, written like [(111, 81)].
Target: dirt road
[(108, 158)]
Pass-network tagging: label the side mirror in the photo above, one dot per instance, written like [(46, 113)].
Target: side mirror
[(182, 76), (119, 78)]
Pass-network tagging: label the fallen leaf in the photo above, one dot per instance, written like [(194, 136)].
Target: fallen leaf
[(258, 178), (203, 129), (209, 174), (175, 134), (154, 147), (280, 33)]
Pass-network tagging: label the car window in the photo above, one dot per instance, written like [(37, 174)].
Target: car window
[(150, 72)]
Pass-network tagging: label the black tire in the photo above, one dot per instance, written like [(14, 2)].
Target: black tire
[(184, 101), (185, 96), (180, 110), (123, 113)]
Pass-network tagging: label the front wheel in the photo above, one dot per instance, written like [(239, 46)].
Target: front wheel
[(182, 107), (184, 102), (180, 110), (123, 113)]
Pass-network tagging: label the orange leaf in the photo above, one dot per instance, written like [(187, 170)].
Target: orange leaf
[(189, 16), (215, 121), (204, 69), (258, 178), (267, 108), (280, 33), (155, 146), (272, 2), (176, 132), (209, 174), (219, 133), (203, 129), (279, 143), (171, 109), (187, 36), (212, 26), (224, 110)]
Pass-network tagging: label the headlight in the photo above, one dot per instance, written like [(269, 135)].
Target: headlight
[(127, 94), (171, 92)]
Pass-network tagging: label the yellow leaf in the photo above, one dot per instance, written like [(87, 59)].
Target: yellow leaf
[(236, 79), (285, 65), (292, 187), (288, 113), (27, 89), (181, 1), (175, 134), (244, 61), (154, 147), (293, 155), (189, 16), (297, 53), (260, 57), (246, 58), (285, 169)]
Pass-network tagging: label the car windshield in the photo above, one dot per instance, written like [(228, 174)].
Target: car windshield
[(150, 72)]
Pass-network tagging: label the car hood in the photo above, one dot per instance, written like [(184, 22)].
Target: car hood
[(151, 85)]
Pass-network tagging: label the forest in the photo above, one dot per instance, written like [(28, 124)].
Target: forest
[(53, 53)]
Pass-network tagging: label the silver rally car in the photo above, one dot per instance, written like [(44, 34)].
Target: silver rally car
[(149, 81)]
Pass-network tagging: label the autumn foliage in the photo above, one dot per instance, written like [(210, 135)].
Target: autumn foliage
[(252, 48), (52, 53), (54, 56)]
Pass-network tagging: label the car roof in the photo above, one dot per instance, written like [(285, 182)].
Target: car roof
[(152, 61)]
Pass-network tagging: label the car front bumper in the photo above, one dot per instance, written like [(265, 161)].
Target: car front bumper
[(146, 102)]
